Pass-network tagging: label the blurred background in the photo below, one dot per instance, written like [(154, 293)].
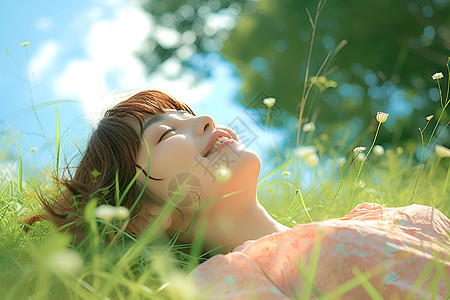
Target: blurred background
[(222, 58)]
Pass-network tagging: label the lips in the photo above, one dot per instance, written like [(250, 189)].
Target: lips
[(216, 135)]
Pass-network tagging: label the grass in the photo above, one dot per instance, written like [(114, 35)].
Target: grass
[(43, 264)]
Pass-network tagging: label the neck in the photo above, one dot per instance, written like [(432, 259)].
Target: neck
[(253, 223)]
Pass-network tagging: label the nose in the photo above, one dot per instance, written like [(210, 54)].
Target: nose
[(205, 124)]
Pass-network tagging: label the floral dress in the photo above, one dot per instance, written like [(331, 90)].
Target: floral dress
[(374, 251)]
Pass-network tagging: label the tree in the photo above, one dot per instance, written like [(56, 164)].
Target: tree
[(393, 48)]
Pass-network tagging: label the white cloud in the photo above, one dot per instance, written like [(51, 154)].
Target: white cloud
[(112, 42), (182, 88), (111, 64), (85, 81), (45, 57)]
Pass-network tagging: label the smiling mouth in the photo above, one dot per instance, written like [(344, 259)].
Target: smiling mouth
[(218, 140), (219, 144)]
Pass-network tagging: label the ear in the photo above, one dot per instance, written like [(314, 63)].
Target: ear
[(139, 223)]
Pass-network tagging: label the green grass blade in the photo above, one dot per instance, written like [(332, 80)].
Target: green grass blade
[(57, 141), (43, 105), (364, 281), (304, 205), (20, 169)]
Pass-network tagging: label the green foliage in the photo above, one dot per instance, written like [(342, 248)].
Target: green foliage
[(384, 65), (188, 27), (391, 47)]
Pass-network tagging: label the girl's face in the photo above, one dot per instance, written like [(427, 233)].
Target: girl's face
[(197, 163)]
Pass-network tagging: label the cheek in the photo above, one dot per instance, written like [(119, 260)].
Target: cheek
[(171, 156)]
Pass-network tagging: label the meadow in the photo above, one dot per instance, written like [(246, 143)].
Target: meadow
[(42, 263)]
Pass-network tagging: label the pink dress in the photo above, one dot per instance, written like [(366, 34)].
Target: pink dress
[(394, 253)]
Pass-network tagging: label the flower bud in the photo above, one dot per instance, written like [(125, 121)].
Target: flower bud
[(67, 261), (442, 151), (309, 127), (105, 212), (378, 150), (305, 152), (341, 161), (122, 213), (269, 102), (382, 117), (312, 160)]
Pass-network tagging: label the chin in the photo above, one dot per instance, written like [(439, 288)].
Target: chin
[(246, 167), (250, 160)]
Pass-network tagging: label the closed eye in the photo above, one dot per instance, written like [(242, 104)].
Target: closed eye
[(165, 133)]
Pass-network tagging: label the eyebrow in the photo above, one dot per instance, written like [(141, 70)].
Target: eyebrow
[(159, 118)]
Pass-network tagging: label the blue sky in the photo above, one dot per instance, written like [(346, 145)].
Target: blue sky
[(82, 52)]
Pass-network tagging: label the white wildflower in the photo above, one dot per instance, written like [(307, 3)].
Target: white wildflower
[(312, 160), (33, 149), (309, 127), (442, 151), (382, 117), (286, 173), (269, 102), (437, 76), (305, 152), (105, 212), (359, 149), (122, 212), (378, 150), (68, 261), (27, 43)]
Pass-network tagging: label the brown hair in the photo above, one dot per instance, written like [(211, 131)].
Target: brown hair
[(112, 148)]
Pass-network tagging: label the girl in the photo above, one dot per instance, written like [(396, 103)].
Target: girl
[(170, 154)]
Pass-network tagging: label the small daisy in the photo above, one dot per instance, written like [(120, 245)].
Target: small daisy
[(437, 76), (359, 149)]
